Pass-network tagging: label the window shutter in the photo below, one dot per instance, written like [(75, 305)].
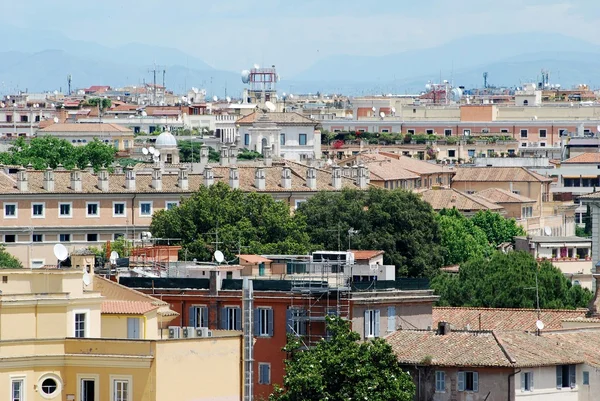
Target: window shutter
[(261, 373), (238, 319), (267, 374), (443, 376), (559, 376), (377, 315), (391, 319), (304, 323), (475, 382), (257, 322), (572, 377), (192, 317), (270, 321), (531, 381), (133, 330), (224, 318), (288, 321), (367, 323), (204, 322), (461, 381), (522, 381)]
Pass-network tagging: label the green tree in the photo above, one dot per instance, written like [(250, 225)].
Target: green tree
[(496, 227), (7, 261), (462, 240), (508, 281), (342, 369), (104, 103), (397, 222), (251, 222)]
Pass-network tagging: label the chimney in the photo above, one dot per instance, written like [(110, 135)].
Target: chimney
[(76, 184), (443, 328), (157, 179), (286, 178), (259, 178), (213, 283), (203, 154), (129, 178), (209, 177), (118, 169), (233, 153), (354, 172), (49, 179), (267, 154), (234, 178), (89, 168), (311, 178), (59, 167), (182, 178), (347, 171), (361, 179), (224, 159), (22, 180), (103, 179), (336, 177)]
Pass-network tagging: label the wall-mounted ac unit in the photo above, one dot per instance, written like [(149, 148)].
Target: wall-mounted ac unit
[(203, 332), (188, 332), (174, 332)]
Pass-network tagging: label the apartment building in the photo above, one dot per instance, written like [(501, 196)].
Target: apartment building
[(23, 121), (80, 134)]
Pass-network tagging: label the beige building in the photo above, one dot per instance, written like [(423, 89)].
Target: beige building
[(448, 198), (82, 133)]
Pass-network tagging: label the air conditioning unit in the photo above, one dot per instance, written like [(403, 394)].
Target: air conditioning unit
[(203, 332), (174, 332), (188, 332)]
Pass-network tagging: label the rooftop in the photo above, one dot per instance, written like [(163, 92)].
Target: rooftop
[(254, 259), (366, 255), (497, 174), (498, 195), (85, 127), (291, 118), (557, 240), (591, 158), (127, 307), (448, 198), (386, 168)]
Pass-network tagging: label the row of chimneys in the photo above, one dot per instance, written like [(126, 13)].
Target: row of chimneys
[(228, 155), (361, 179)]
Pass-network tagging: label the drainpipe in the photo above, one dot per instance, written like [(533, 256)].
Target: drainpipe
[(509, 376)]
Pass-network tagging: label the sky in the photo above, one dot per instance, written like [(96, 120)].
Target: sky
[(235, 34)]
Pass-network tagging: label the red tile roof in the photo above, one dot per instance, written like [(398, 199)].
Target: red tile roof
[(292, 118), (497, 174), (366, 255), (592, 158), (448, 198), (254, 259), (498, 195), (127, 307)]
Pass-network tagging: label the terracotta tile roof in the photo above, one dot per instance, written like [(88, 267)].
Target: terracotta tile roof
[(593, 158), (366, 255), (448, 198), (254, 259), (291, 118), (498, 195), (384, 168), (417, 166), (503, 318), (497, 174), (85, 127), (127, 307)]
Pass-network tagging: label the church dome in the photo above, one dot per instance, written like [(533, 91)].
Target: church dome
[(165, 140)]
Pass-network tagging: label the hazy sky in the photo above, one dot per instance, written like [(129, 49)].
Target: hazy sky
[(234, 34)]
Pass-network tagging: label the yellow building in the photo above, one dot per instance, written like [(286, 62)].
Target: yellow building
[(62, 339)]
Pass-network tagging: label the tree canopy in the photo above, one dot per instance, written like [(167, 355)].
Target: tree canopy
[(395, 221), (103, 103), (7, 261), (246, 222), (45, 151), (508, 281), (462, 240), (341, 368), (190, 152), (496, 227)]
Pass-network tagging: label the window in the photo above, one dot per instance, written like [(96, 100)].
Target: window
[(523, 144), (410, 131), (92, 237), (523, 133), (64, 209), (264, 373), (447, 132), (80, 325), (24, 119), (64, 237), (586, 378), (526, 211), (88, 390), (282, 139), (526, 381), (466, 132), (198, 316), (563, 132), (542, 133), (169, 205), (504, 131), (440, 381), (296, 324), (37, 210), (10, 238), (468, 381), (92, 209), (17, 389), (10, 210), (565, 376), (8, 118), (116, 236), (49, 386), (263, 322), (231, 318), (133, 328), (542, 144), (372, 323), (391, 319), (429, 132), (118, 209), (145, 208), (471, 152), (302, 139), (451, 153), (37, 237), (121, 390), (246, 139)]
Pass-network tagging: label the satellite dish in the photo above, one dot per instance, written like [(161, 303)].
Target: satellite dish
[(60, 251), (382, 114), (535, 117), (228, 99), (156, 152), (393, 109), (151, 150), (215, 99), (329, 161), (256, 66), (245, 76), (118, 97), (270, 106), (374, 109), (540, 325), (547, 231), (291, 96), (144, 151), (219, 257), (144, 114), (87, 280), (114, 255), (55, 119)]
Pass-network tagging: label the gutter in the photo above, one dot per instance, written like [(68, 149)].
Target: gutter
[(508, 379)]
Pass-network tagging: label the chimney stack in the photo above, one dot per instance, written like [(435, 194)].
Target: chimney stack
[(103, 179), (89, 168), (347, 171), (311, 178), (182, 178), (209, 177), (267, 154), (203, 154), (259, 178), (224, 159), (49, 179), (129, 178), (336, 177), (76, 184), (234, 178), (22, 179), (286, 178), (362, 177), (157, 179), (233, 154)]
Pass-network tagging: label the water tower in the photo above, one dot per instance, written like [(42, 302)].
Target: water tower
[(262, 84)]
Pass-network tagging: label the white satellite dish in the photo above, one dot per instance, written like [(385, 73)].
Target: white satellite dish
[(156, 152), (61, 252), (114, 255), (256, 66), (291, 96), (393, 109), (547, 231), (144, 151), (55, 119), (228, 99), (329, 161), (151, 150), (219, 257), (144, 114), (215, 99), (540, 325), (245, 76), (87, 280), (374, 109), (270, 106), (382, 114)]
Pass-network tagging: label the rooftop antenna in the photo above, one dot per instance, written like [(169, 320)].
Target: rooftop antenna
[(69, 83), (61, 253), (485, 83)]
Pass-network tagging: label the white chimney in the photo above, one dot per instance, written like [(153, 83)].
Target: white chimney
[(267, 154), (259, 178), (203, 154), (233, 153), (336, 177), (362, 177), (224, 159), (89, 168), (234, 178), (129, 178), (76, 184), (49, 180), (209, 177), (157, 179), (311, 178), (286, 178), (103, 179), (22, 180), (182, 178)]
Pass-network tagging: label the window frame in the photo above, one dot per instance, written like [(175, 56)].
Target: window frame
[(282, 139), (527, 381), (10, 235), (544, 133), (246, 139), (16, 206), (87, 205), (38, 216), (265, 322), (140, 203), (167, 203), (447, 131), (300, 136), (124, 379), (464, 381), (232, 311), (137, 328), (62, 239), (86, 328), (33, 235), (22, 379), (87, 238), (440, 381), (261, 368), (585, 380), (57, 380), (198, 316), (124, 208), (65, 216), (523, 133), (371, 325), (88, 377)]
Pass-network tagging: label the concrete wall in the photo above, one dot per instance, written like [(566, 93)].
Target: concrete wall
[(544, 385), (408, 315)]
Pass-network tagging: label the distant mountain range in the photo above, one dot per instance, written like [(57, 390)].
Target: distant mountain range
[(508, 59)]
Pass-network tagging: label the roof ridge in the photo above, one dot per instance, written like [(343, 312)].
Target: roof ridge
[(507, 309), (162, 303), (503, 349)]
